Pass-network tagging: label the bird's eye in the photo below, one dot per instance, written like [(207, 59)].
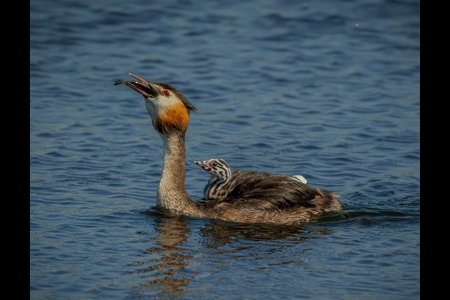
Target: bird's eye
[(214, 164), (166, 93)]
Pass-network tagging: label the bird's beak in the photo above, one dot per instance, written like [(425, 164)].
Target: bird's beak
[(142, 86), (202, 164)]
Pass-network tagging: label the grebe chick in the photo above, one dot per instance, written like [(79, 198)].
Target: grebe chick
[(219, 186), (257, 197)]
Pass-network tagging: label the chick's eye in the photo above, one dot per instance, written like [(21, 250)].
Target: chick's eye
[(166, 93), (214, 164)]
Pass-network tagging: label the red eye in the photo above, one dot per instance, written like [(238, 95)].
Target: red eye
[(166, 93)]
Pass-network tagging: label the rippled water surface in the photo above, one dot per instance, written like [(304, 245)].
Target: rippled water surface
[(326, 89)]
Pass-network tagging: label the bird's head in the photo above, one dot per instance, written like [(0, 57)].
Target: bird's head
[(216, 167), (166, 105)]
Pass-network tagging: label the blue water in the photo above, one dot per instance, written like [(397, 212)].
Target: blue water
[(325, 89)]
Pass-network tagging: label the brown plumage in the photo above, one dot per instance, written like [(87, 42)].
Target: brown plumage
[(261, 197), (256, 197)]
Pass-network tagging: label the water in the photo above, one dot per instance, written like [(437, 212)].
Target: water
[(325, 89)]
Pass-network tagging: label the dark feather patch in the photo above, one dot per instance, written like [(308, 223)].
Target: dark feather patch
[(271, 191)]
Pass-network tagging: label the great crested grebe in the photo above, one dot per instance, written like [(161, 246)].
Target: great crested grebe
[(223, 182), (263, 197)]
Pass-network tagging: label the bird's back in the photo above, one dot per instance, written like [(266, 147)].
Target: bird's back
[(271, 198)]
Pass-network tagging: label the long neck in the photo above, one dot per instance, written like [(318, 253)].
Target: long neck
[(172, 191)]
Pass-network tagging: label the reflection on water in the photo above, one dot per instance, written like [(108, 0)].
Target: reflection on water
[(163, 271), (166, 274)]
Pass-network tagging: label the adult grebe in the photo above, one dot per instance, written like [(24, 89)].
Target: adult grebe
[(223, 182), (271, 198)]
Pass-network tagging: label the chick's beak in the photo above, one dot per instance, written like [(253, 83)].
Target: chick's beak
[(202, 164)]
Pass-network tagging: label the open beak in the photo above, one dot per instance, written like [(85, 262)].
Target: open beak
[(142, 86)]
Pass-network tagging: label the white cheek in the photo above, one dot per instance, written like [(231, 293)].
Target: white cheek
[(164, 101), (157, 106)]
